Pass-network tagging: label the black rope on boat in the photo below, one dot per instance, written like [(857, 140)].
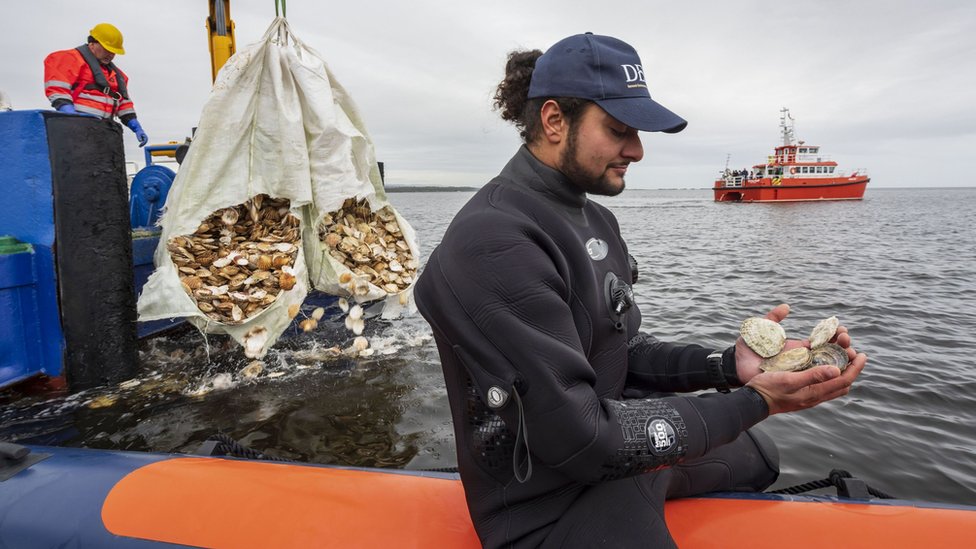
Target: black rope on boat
[(222, 445), (835, 479), (441, 470)]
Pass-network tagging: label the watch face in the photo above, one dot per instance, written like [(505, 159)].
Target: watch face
[(715, 372)]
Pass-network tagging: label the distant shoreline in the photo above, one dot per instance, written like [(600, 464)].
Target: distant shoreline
[(428, 189)]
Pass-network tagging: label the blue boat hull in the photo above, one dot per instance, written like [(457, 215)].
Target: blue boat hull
[(96, 498)]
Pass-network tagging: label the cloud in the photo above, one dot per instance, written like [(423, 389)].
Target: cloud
[(884, 85)]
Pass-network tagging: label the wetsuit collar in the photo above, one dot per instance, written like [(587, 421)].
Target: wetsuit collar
[(547, 180)]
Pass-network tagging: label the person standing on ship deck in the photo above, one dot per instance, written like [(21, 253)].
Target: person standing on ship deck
[(84, 80), (567, 430)]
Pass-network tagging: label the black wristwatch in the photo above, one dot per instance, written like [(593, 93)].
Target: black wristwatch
[(715, 373)]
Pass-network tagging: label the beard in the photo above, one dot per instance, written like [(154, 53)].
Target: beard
[(571, 167)]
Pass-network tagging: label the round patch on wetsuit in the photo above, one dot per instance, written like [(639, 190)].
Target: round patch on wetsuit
[(597, 249), (661, 436), (497, 397)]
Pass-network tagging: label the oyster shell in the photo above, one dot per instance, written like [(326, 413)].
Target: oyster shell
[(355, 325), (793, 360), (763, 336), (254, 342), (360, 343), (229, 216), (820, 352), (371, 245), (253, 369), (239, 259), (102, 401), (823, 332), (830, 354)]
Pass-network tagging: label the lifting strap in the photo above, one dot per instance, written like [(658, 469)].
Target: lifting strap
[(101, 83)]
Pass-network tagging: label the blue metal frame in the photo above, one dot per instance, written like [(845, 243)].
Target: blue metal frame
[(20, 335), (27, 214), (150, 149)]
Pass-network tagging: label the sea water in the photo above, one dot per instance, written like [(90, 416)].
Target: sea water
[(898, 268)]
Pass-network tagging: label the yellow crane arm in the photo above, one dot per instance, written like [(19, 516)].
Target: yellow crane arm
[(220, 29)]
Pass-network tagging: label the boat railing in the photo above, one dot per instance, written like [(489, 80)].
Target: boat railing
[(131, 169), (733, 180), (813, 158)]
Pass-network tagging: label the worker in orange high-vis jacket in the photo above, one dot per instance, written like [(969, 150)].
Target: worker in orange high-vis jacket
[(84, 80)]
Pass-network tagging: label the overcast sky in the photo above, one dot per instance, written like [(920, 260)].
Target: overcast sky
[(885, 85)]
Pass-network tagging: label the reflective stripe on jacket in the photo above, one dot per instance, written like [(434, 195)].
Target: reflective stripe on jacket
[(69, 79)]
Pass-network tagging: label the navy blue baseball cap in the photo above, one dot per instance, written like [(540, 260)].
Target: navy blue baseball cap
[(608, 72)]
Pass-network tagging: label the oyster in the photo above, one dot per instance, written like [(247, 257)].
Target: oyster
[(239, 259), (360, 347), (830, 354), (102, 401), (355, 325), (254, 342), (371, 245), (823, 332), (820, 353), (229, 216), (788, 361), (763, 336), (253, 369), (360, 343)]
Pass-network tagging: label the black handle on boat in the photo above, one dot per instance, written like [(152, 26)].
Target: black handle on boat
[(847, 486), (13, 452)]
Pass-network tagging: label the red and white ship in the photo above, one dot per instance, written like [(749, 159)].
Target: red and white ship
[(795, 172)]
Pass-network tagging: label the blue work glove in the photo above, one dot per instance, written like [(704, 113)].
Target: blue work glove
[(140, 133), (69, 108)]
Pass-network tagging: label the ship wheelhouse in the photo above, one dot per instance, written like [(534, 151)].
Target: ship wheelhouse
[(798, 160)]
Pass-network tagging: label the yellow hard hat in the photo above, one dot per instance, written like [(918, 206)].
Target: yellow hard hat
[(109, 37)]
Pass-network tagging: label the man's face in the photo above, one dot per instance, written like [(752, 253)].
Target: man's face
[(103, 55), (597, 152)]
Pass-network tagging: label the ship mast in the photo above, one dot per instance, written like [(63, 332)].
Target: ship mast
[(786, 124)]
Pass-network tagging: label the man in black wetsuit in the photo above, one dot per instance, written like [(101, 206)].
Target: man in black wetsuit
[(567, 429)]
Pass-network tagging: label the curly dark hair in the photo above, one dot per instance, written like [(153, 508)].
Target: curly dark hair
[(512, 97)]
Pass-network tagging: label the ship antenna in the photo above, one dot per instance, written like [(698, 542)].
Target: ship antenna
[(787, 127), (728, 157)]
